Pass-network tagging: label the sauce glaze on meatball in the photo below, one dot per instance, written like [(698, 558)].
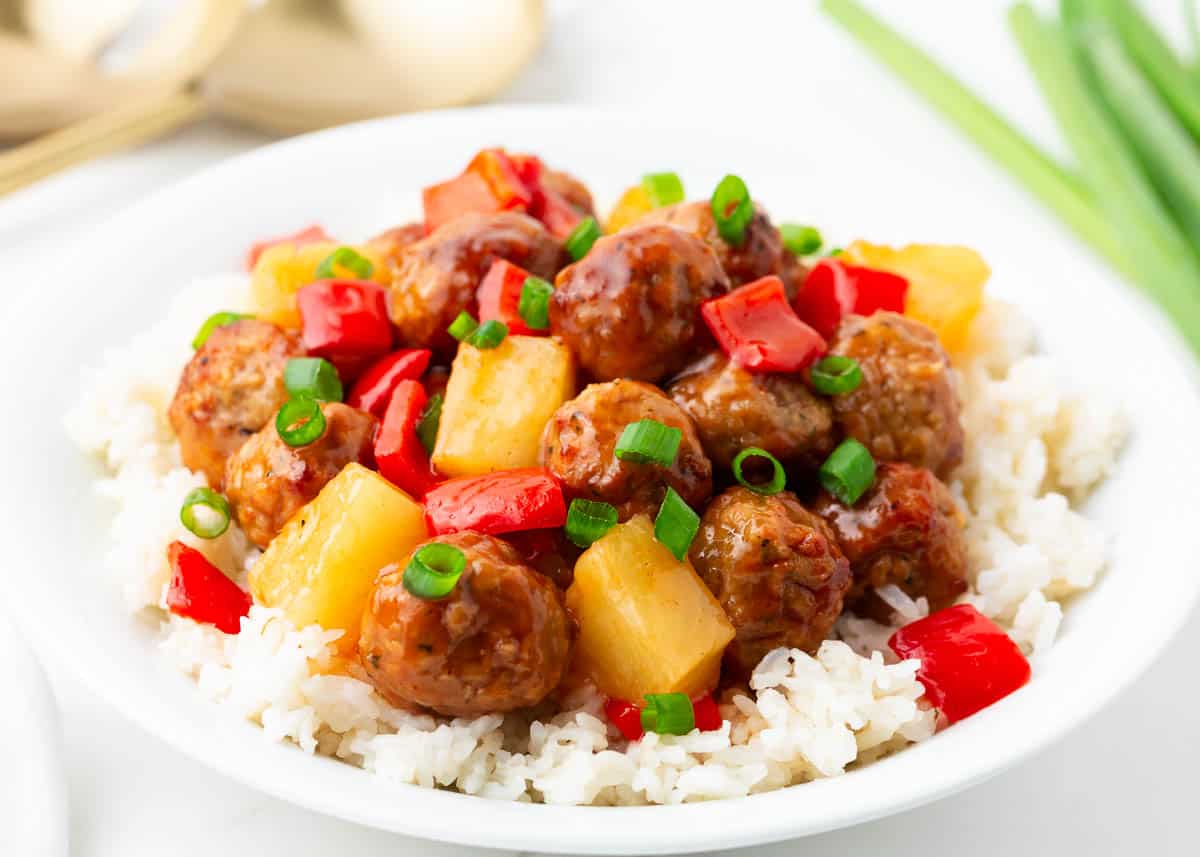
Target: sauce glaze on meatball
[(500, 641), (267, 481), (775, 568), (629, 308), (231, 388), (906, 530), (906, 408), (734, 409), (578, 444)]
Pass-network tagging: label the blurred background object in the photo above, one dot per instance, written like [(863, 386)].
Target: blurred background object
[(117, 73)]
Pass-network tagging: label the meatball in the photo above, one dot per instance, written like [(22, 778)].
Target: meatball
[(572, 190), (734, 409), (578, 443), (501, 640), (548, 552), (266, 481), (906, 408), (776, 570), (628, 309), (231, 388), (391, 242), (762, 252), (434, 279), (906, 530)]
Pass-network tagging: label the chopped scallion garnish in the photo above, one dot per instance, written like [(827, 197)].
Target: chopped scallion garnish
[(347, 258), (848, 472), (668, 714), (463, 326), (313, 377), (663, 189), (732, 209), (434, 570), (836, 375), (489, 334), (588, 520), (648, 442), (582, 237), (205, 513), (801, 240), (300, 421), (774, 485), (534, 304), (676, 524), (217, 319), (427, 425)]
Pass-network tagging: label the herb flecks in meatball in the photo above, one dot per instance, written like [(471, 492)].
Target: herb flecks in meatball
[(734, 409), (498, 642), (775, 568), (579, 441), (629, 308), (267, 481), (906, 408), (908, 531), (435, 279), (231, 388)]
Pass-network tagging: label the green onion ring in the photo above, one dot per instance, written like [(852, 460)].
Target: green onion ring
[(588, 520), (300, 422), (463, 326), (732, 209), (676, 524), (312, 378), (663, 189), (836, 375), (217, 319), (534, 303), (848, 472), (801, 240), (489, 334), (668, 714), (434, 570), (582, 237), (778, 476), (218, 516), (348, 258), (648, 442)]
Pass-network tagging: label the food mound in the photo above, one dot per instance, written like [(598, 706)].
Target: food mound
[(677, 508)]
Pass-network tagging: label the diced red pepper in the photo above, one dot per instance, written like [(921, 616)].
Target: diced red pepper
[(445, 201), (833, 290), (308, 235), (558, 215), (201, 591), (967, 661), (626, 716), (503, 177), (399, 455), (529, 168), (346, 322), (708, 716), (373, 390), (499, 296), (505, 502), (758, 329)]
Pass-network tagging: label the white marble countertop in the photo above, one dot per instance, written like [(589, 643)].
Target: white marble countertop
[(1123, 783)]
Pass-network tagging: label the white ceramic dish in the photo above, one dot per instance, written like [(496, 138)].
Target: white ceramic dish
[(364, 177)]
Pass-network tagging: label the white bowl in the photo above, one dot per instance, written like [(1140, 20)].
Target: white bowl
[(363, 177)]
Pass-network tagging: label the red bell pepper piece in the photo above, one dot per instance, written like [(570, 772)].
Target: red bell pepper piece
[(373, 390), (558, 215), (447, 200), (708, 716), (346, 322), (499, 296), (967, 661), (200, 591), (308, 235), (399, 455), (626, 716), (833, 290), (759, 331), (505, 502), (503, 177)]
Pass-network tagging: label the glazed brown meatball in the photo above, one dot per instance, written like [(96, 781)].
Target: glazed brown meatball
[(734, 409), (570, 189), (906, 408), (629, 308), (578, 443), (905, 530), (775, 568), (548, 552), (435, 279), (501, 640), (266, 481), (391, 242), (231, 388), (762, 252)]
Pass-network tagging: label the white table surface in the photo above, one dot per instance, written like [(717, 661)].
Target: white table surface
[(1123, 783)]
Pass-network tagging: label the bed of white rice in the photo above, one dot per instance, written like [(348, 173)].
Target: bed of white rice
[(1033, 450)]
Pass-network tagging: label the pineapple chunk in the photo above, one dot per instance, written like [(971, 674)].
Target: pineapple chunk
[(498, 401), (945, 283), (321, 566), (647, 622), (631, 207), (284, 268)]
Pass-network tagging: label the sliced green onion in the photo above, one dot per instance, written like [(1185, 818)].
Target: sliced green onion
[(801, 240), (534, 304), (434, 570), (663, 189), (313, 377), (588, 520), (463, 326), (648, 442), (733, 210), (836, 251), (836, 375), (488, 335), (668, 714), (348, 258), (676, 524), (217, 319), (300, 422), (427, 425), (205, 513), (778, 476), (848, 471), (582, 237)]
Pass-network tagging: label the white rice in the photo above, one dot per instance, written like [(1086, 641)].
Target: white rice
[(1033, 449)]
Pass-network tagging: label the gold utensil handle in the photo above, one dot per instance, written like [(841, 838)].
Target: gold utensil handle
[(112, 131)]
